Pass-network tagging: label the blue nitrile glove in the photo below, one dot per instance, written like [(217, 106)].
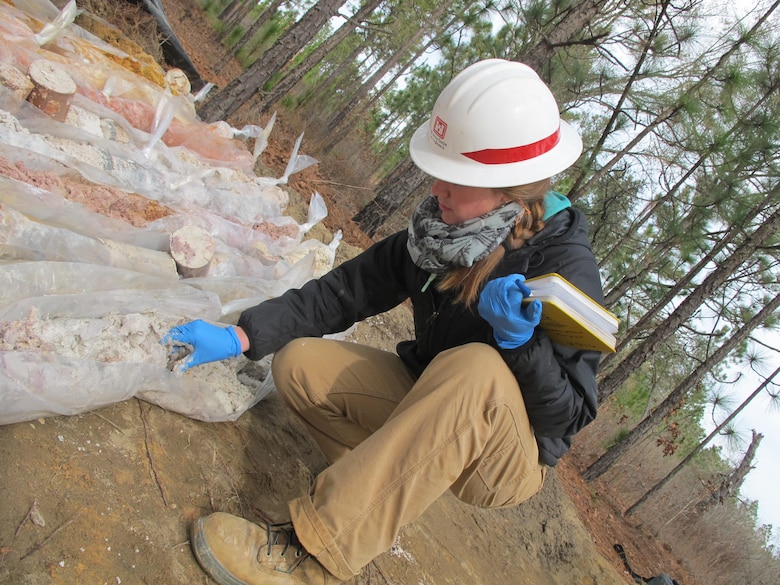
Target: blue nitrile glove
[(501, 305), (208, 343)]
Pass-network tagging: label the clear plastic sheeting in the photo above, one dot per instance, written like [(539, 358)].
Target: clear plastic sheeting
[(87, 206), (39, 384), (75, 289)]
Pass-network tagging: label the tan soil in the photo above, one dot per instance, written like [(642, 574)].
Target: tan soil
[(108, 496)]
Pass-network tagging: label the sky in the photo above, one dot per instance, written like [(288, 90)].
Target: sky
[(761, 482)]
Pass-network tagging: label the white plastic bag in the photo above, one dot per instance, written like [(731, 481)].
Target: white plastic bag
[(80, 329)]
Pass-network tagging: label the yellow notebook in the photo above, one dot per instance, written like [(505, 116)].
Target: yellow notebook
[(570, 317)]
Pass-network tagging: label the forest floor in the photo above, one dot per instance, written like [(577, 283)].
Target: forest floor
[(108, 496)]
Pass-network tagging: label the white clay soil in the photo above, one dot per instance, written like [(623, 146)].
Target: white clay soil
[(135, 338)]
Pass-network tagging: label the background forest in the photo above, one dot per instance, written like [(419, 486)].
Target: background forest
[(678, 104)]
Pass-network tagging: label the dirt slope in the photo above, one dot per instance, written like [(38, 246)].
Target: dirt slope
[(107, 497)]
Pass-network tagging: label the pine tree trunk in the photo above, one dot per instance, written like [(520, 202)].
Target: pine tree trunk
[(262, 18), (653, 490), (324, 85), (314, 58), (343, 125), (338, 125), (731, 484), (234, 17), (603, 463), (620, 373), (582, 187), (648, 213), (391, 193), (644, 322), (573, 22), (228, 9), (240, 90)]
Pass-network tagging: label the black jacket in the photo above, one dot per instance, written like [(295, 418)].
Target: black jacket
[(557, 382)]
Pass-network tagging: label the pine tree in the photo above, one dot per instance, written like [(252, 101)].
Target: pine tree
[(228, 100)]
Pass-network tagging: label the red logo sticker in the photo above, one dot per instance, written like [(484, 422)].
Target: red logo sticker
[(439, 127)]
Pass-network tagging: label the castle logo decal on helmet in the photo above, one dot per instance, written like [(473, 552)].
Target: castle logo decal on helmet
[(438, 132), (439, 127)]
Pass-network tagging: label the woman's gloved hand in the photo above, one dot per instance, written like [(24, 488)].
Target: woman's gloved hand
[(501, 305), (208, 343)]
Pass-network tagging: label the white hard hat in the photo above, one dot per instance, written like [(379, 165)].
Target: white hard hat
[(496, 124)]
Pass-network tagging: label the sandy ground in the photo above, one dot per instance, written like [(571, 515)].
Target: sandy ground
[(108, 496)]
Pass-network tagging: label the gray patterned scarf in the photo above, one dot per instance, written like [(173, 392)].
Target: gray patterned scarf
[(437, 247)]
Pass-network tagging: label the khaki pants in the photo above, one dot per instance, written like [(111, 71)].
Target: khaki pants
[(396, 444)]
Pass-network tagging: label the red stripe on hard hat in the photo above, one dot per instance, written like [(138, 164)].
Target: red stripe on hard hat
[(498, 156)]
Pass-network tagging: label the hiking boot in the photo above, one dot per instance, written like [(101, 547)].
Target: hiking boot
[(234, 551)]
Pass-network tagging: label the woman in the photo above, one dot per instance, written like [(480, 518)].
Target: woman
[(481, 402)]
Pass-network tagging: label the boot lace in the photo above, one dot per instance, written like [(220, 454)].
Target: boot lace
[(284, 535)]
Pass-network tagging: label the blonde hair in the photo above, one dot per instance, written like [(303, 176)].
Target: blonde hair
[(468, 280)]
